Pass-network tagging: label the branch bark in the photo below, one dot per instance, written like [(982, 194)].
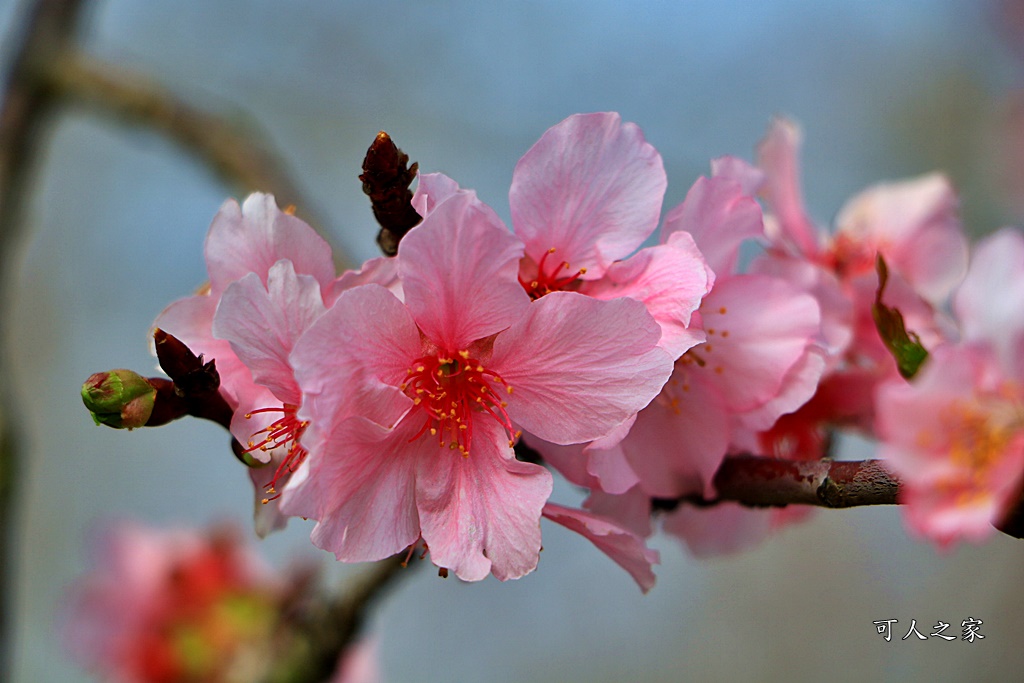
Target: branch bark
[(26, 115)]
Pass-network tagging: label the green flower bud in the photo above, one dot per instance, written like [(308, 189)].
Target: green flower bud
[(121, 399)]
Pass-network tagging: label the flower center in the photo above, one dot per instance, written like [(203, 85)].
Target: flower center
[(282, 433), (549, 277), (450, 390)]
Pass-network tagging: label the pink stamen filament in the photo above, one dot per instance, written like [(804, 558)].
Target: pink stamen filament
[(545, 283), (284, 432), (450, 390)]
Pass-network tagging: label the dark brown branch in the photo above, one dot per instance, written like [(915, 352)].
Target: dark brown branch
[(234, 147), (758, 481), (26, 115)]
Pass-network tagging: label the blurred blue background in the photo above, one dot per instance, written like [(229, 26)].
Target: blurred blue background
[(118, 217)]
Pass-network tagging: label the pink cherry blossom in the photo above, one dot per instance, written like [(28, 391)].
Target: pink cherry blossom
[(955, 434), (912, 223), (760, 359), (171, 606), (269, 273), (583, 198), (623, 546), (414, 404)]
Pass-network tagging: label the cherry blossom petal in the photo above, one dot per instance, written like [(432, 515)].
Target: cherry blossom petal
[(678, 442), (255, 236), (381, 271), (798, 386), (758, 328), (481, 513), (750, 177), (579, 366), (366, 480), (591, 187), (624, 547), (431, 190), (719, 215), (367, 333), (916, 225), (262, 324), (724, 528), (670, 279), (990, 302), (631, 510), (777, 154), (459, 270)]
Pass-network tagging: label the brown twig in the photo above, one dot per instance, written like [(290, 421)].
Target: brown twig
[(26, 115), (763, 482)]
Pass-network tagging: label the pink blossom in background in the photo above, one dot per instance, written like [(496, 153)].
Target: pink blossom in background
[(171, 606), (414, 405), (955, 433), (913, 223)]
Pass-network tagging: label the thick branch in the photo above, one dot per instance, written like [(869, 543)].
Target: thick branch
[(233, 147), (757, 481), (25, 116)]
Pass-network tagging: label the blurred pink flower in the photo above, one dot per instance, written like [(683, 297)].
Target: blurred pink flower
[(171, 606), (955, 434), (414, 404)]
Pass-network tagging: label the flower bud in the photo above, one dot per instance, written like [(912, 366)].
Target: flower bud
[(120, 399)]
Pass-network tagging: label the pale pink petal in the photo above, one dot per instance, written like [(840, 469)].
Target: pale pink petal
[(366, 480), (267, 516), (777, 154), (631, 510), (837, 313), (578, 366), (758, 327), (459, 270), (719, 215), (358, 664), (670, 280), (431, 190), (262, 323), (381, 271), (750, 177), (591, 187), (798, 386), (611, 468), (724, 528), (678, 442), (367, 333), (255, 236), (480, 513), (916, 226), (990, 302), (624, 547)]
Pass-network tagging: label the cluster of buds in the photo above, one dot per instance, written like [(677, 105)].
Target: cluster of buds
[(424, 400)]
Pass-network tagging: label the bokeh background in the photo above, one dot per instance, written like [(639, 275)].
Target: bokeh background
[(117, 220)]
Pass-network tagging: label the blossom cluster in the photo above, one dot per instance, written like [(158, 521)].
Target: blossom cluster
[(183, 605), (387, 403)]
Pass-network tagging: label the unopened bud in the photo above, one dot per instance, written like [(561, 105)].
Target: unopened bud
[(121, 399)]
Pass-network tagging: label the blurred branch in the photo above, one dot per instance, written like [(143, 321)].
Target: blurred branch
[(234, 147), (26, 115), (335, 624)]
